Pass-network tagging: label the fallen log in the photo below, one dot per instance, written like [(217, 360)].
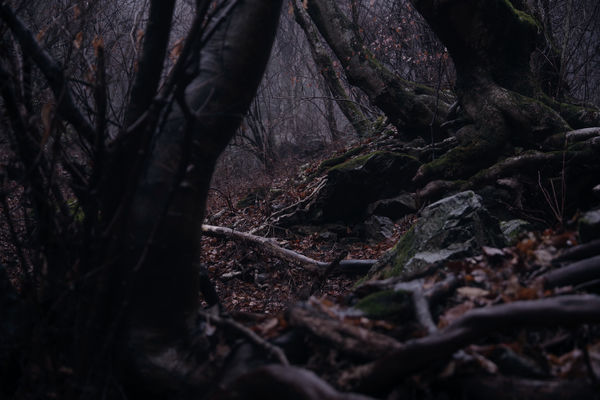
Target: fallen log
[(272, 248)]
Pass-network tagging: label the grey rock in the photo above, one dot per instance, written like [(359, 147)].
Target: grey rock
[(394, 208), (589, 226), (513, 229), (451, 228), (379, 228), (351, 186)]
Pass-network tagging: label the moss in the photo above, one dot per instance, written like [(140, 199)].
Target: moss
[(363, 159), (458, 162), (403, 251), (330, 162), (354, 162), (524, 17), (385, 304), (76, 210)]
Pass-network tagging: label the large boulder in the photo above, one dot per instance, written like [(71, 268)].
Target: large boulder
[(451, 228), (349, 187), (394, 208)]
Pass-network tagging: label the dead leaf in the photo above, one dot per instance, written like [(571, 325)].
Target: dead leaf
[(176, 50), (40, 35), (268, 325), (472, 292), (453, 313), (78, 40), (492, 252), (47, 116), (97, 43), (569, 365)]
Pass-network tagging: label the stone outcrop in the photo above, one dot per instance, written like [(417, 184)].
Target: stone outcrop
[(451, 228)]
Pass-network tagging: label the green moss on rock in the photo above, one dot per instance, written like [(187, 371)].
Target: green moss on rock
[(385, 304), (403, 251), (331, 162)]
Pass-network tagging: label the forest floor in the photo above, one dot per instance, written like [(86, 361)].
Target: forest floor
[(250, 282), (257, 290)]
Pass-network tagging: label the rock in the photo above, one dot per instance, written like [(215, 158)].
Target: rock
[(394, 208), (451, 228), (252, 197), (379, 228), (513, 229), (386, 304), (351, 186), (596, 191), (589, 226)]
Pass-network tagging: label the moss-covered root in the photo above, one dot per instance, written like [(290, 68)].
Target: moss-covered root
[(461, 162)]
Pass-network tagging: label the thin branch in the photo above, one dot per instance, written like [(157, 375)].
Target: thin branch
[(150, 64), (226, 322), (51, 70)]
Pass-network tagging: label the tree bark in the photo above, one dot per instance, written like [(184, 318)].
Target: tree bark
[(411, 108), (491, 45), (351, 110), (164, 226)]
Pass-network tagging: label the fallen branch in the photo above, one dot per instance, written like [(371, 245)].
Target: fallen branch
[(350, 339), (383, 374), (253, 337), (272, 248)]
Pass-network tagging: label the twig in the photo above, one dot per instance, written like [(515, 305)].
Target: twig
[(51, 70), (226, 322)]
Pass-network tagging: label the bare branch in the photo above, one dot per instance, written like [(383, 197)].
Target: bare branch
[(51, 70), (150, 64)]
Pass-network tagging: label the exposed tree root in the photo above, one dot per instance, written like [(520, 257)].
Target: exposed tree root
[(581, 251), (352, 340), (275, 382), (383, 374), (573, 274), (499, 387), (253, 337)]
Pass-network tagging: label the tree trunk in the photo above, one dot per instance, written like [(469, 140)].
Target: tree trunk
[(351, 110), (410, 107), (491, 43), (154, 257)]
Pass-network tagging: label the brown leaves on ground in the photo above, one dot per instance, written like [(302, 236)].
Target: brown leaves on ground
[(261, 288)]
